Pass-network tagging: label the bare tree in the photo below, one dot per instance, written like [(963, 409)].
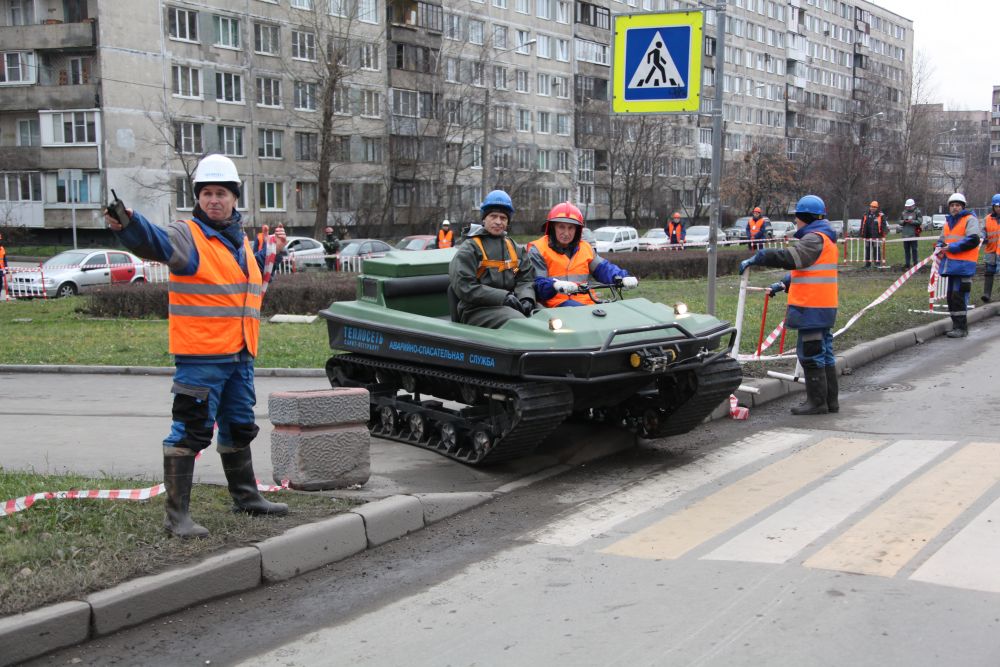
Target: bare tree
[(764, 177), (640, 148)]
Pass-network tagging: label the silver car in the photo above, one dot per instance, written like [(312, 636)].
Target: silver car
[(303, 252), (70, 272)]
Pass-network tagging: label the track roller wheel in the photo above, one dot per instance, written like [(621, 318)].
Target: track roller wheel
[(387, 419), (650, 422), (417, 425), (449, 437), (481, 442)]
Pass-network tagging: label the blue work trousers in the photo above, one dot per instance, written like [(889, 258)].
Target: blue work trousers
[(816, 352), (210, 394)]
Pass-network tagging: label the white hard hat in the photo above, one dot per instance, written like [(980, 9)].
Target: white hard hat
[(216, 169), (445, 224), (910, 202), (957, 197)]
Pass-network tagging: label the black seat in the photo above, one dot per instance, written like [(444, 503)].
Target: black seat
[(453, 305)]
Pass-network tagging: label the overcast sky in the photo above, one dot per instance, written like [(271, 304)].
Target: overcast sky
[(959, 40)]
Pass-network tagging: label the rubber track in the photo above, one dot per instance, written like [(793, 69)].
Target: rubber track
[(716, 381), (543, 407)]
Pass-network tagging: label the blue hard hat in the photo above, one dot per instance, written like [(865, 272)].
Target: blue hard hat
[(497, 199), (996, 200), (811, 204)]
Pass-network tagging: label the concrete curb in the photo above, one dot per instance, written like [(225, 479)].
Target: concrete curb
[(311, 546)]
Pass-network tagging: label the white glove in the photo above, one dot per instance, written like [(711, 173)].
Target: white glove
[(630, 282), (565, 287)]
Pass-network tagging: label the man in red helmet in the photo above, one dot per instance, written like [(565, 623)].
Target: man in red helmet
[(675, 231), (758, 227), (563, 260)]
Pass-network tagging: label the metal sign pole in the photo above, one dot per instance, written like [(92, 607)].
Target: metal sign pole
[(716, 213)]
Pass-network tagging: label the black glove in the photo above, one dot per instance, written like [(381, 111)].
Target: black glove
[(511, 302), (527, 305)]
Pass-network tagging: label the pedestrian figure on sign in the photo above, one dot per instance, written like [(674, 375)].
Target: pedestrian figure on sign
[(657, 62)]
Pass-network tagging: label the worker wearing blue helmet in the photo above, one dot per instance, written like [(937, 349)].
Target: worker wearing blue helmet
[(490, 274), (990, 247), (812, 300)]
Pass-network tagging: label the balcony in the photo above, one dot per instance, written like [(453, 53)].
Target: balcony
[(32, 98), (50, 37), (23, 158)]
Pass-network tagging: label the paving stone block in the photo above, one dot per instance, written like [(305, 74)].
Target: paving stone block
[(310, 546), (333, 457), (324, 407), (390, 518), (34, 633)]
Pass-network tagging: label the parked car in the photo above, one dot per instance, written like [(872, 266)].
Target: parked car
[(354, 251), (699, 234), (616, 239), (854, 227), (738, 230), (589, 237), (417, 242), (654, 239), (783, 230), (303, 252), (938, 220), (70, 272), (927, 223), (837, 226)]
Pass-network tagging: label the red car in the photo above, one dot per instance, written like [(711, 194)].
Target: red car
[(417, 242)]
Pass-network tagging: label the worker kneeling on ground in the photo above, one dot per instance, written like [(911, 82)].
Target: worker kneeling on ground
[(812, 300), (563, 261)]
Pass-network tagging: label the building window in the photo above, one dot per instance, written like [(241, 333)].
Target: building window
[(227, 32), (268, 92), (304, 45), (478, 78), (523, 120), (228, 87), (187, 138), (592, 52), (272, 196), (17, 67), (543, 160), (371, 104), (186, 81), (265, 39), (404, 103), (499, 77), (372, 149), (544, 85), (562, 124), (185, 198), (74, 127), (305, 96), (475, 31), (500, 37), (21, 186), (453, 26), (302, 4), (84, 189), (231, 140), (369, 57), (522, 157), (28, 133), (562, 160), (340, 148), (79, 71), (588, 14), (560, 86), (341, 100), (182, 24), (544, 122), (306, 146), (521, 84), (306, 195), (562, 50), (340, 196), (269, 144), (543, 47), (368, 11)]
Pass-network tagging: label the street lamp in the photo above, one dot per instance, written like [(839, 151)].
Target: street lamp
[(487, 129)]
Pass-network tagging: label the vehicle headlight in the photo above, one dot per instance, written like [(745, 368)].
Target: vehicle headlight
[(680, 308), (48, 281)]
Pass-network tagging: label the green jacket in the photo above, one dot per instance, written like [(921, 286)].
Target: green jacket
[(494, 285)]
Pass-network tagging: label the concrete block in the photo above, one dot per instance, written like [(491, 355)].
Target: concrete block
[(333, 457), (391, 517), (28, 635), (857, 356), (439, 506), (880, 347), (902, 340), (771, 389), (312, 545), (324, 407), (142, 599)]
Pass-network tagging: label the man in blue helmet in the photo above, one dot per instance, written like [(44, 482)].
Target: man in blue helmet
[(490, 274), (812, 301), (992, 231)]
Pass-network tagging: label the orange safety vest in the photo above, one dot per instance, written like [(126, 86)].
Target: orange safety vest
[(3, 256), (499, 264), (675, 228), (444, 238), (562, 267), (756, 225), (216, 311), (815, 286), (992, 234), (954, 233)]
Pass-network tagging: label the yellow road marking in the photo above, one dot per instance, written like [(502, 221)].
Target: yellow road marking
[(887, 539), (679, 533)]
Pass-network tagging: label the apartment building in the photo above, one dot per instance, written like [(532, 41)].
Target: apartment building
[(995, 128), (432, 103)]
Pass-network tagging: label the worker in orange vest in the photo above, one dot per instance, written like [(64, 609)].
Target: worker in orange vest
[(873, 229), (757, 228), (959, 248), (563, 260), (812, 300), (675, 230), (215, 294), (445, 236)]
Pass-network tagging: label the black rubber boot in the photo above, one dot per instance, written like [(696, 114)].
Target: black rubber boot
[(238, 466), (832, 389), (960, 327), (177, 474), (815, 403), (987, 288)]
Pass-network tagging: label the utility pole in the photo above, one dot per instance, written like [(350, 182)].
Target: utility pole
[(716, 214)]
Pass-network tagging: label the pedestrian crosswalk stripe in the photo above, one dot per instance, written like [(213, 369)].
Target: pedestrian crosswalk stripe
[(596, 517), (971, 558), (791, 529), (887, 539), (679, 533)]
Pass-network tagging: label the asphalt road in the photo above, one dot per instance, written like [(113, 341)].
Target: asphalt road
[(863, 538)]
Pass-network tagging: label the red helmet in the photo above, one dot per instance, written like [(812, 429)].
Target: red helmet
[(677, 216), (565, 212), (756, 209)]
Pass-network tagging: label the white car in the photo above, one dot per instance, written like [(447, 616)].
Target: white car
[(303, 252), (654, 239), (616, 239), (699, 234), (69, 272), (938, 220), (782, 230)]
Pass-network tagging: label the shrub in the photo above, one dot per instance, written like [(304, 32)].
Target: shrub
[(291, 293), (667, 264)]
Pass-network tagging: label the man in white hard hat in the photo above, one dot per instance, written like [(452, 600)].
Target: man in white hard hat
[(959, 246), (909, 224), (445, 237), (215, 295)]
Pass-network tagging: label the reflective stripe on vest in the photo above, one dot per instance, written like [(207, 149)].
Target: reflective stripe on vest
[(756, 226), (499, 264), (444, 238), (560, 267), (992, 233), (954, 233), (217, 310), (815, 286)]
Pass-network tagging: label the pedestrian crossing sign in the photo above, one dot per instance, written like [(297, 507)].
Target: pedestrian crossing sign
[(657, 66)]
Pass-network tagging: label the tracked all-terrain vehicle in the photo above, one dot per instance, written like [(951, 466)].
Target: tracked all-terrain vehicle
[(485, 395)]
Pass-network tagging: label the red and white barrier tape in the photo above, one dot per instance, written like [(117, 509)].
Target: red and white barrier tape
[(771, 337), (737, 411), (270, 253), (886, 294), (24, 502)]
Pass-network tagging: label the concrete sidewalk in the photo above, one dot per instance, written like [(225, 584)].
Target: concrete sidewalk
[(94, 421)]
